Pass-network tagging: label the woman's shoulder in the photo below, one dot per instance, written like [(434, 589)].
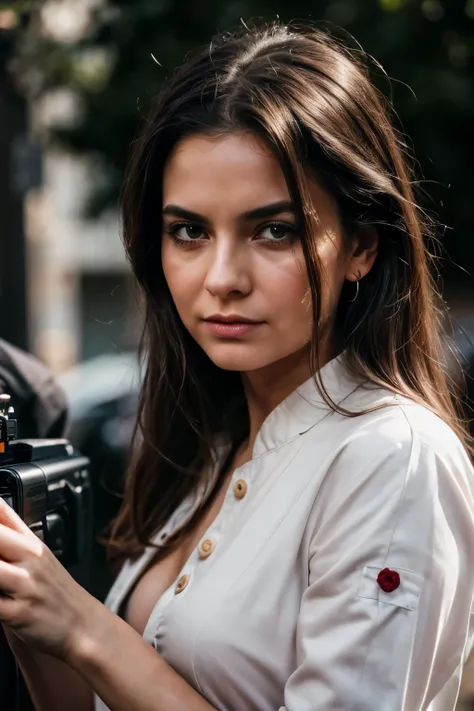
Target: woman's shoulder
[(401, 455), (369, 416), (395, 421), (392, 436), (428, 427)]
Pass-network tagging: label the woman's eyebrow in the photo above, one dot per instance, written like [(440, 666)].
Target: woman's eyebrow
[(271, 210), (257, 213)]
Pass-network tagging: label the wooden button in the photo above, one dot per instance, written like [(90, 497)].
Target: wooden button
[(240, 488), (182, 583), (205, 548)]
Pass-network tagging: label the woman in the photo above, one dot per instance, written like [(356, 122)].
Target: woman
[(298, 521)]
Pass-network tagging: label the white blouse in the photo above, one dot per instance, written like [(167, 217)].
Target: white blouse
[(281, 606)]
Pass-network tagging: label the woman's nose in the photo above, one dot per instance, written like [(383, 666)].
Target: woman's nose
[(229, 272)]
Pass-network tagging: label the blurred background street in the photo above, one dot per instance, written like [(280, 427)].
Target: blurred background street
[(75, 78)]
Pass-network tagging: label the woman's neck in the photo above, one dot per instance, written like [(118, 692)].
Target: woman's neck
[(266, 388)]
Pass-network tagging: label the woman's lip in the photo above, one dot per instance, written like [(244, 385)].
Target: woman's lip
[(232, 329)]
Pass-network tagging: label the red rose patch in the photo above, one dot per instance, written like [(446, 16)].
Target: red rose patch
[(389, 580)]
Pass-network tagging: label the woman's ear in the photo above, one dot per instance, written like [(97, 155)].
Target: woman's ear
[(364, 251)]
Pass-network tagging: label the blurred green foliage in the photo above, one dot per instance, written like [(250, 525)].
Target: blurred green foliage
[(426, 47)]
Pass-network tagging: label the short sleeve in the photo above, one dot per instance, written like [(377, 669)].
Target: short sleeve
[(366, 642)]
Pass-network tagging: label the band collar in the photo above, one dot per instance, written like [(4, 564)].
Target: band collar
[(305, 406), (295, 415)]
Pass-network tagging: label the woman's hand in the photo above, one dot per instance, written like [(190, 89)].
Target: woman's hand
[(50, 612), (39, 600)]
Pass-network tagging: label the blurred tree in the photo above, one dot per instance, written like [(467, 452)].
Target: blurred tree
[(112, 58)]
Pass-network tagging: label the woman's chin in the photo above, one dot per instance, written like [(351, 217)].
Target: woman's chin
[(231, 360)]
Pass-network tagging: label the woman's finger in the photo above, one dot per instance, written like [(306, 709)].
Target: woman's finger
[(9, 610), (14, 546), (12, 578), (10, 518)]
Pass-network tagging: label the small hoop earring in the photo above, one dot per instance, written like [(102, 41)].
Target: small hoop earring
[(351, 301)]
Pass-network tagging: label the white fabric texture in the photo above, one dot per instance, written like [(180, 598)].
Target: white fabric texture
[(286, 613)]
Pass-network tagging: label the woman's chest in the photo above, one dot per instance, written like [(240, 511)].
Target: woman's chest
[(229, 610), (233, 615), (160, 575)]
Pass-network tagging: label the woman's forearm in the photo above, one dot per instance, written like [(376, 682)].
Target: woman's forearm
[(127, 673), (52, 684)]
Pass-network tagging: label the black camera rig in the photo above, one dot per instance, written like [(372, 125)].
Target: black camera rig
[(46, 481)]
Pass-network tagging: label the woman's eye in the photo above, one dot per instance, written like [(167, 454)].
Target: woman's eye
[(277, 233), (186, 233)]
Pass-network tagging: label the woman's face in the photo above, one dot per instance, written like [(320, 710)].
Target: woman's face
[(232, 256)]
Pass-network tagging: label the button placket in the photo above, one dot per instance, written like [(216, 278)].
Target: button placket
[(202, 552), (210, 538), (207, 543)]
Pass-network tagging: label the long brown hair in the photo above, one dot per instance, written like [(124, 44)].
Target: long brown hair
[(312, 101)]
